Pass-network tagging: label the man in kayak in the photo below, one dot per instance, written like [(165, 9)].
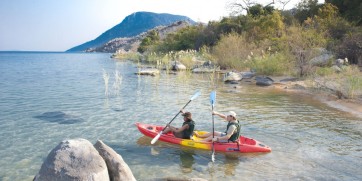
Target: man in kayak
[(187, 129), (232, 130)]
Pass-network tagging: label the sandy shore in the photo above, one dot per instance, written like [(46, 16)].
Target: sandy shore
[(353, 106)]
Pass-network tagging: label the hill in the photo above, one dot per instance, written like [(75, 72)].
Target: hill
[(132, 25), (130, 44)]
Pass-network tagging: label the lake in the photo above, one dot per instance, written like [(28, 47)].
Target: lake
[(49, 97)]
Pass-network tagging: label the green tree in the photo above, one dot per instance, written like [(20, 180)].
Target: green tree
[(306, 9), (151, 39), (350, 9)]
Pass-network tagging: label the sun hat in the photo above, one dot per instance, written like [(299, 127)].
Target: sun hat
[(187, 114), (232, 113)]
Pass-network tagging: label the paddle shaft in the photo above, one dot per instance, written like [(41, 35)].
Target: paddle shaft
[(175, 116), (213, 131)]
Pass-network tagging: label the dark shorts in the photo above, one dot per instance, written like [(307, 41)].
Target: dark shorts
[(179, 135)]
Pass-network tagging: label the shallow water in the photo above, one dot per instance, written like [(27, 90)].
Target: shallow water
[(49, 97)]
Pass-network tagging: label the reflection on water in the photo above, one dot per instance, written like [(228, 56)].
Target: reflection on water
[(186, 160)]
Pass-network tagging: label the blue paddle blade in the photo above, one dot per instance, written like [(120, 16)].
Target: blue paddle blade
[(213, 98), (195, 95)]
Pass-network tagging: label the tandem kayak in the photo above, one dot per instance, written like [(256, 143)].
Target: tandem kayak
[(246, 145)]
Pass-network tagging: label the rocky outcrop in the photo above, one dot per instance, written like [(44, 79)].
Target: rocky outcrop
[(232, 77), (321, 60), (117, 168), (75, 159), (148, 71), (264, 81), (177, 66)]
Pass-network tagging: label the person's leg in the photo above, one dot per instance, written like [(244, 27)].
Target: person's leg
[(209, 138), (166, 130), (203, 136)]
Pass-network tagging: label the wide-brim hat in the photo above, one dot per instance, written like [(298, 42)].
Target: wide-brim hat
[(232, 113)]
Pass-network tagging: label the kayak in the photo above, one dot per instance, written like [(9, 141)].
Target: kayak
[(244, 145)]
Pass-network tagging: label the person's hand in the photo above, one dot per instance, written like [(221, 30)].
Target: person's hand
[(214, 139), (182, 111), (213, 112)]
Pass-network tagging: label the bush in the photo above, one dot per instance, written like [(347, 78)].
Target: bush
[(351, 47), (275, 64), (232, 50), (351, 81)]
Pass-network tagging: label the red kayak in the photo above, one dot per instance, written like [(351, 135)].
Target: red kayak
[(244, 145)]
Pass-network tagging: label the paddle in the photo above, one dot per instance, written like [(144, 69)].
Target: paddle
[(159, 134), (212, 100)]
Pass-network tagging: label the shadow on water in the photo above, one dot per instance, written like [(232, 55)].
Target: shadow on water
[(59, 117), (118, 109)]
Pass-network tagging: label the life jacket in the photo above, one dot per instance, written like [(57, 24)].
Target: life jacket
[(235, 135), (187, 133)]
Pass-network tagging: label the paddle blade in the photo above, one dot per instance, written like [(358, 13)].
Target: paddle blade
[(156, 138), (213, 157), (213, 98), (195, 95)]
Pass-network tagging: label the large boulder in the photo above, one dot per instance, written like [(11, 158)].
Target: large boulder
[(71, 160), (117, 168), (232, 77), (178, 66), (264, 81), (321, 60)]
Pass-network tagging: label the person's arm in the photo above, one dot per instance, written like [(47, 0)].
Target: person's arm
[(186, 126), (219, 114), (230, 132)]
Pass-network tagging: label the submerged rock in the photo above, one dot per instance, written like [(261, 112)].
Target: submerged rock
[(149, 71), (71, 160), (59, 117)]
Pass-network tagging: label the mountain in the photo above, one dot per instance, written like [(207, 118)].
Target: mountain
[(132, 25), (131, 44)]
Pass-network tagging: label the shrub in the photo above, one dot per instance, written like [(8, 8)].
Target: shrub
[(351, 81), (275, 64), (232, 50)]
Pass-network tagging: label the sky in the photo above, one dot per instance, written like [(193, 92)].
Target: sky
[(58, 25)]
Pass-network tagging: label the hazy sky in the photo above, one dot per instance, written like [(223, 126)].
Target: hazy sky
[(57, 25)]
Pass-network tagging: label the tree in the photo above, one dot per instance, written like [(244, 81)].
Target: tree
[(152, 38), (350, 9), (306, 9)]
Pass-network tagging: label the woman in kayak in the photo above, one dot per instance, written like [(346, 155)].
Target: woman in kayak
[(187, 129), (232, 132)]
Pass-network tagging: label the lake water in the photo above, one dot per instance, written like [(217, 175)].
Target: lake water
[(49, 97)]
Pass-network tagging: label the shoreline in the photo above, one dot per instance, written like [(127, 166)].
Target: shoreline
[(352, 106)]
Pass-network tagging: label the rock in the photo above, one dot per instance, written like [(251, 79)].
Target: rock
[(178, 179), (118, 169), (71, 160), (205, 70), (247, 75), (177, 66), (232, 77), (148, 71), (290, 79), (336, 68), (264, 81), (321, 60)]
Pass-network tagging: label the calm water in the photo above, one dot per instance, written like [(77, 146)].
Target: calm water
[(49, 97)]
